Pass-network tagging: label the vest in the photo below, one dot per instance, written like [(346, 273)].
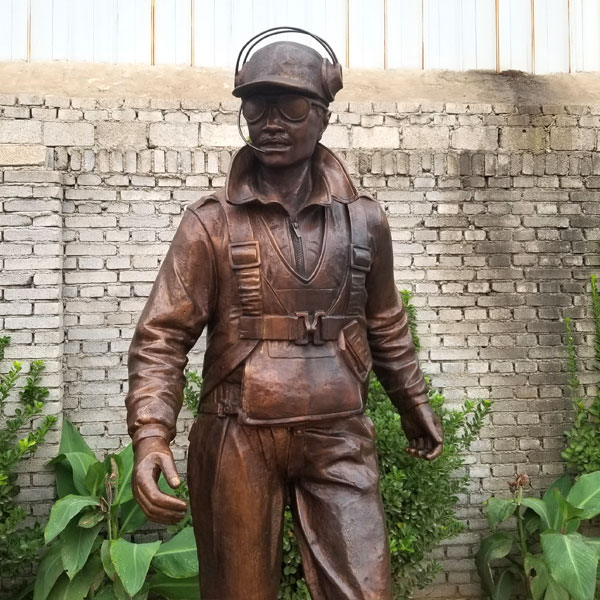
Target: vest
[(306, 350)]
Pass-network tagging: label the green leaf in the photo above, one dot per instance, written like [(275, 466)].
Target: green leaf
[(586, 494), (499, 510), (572, 526), (572, 563), (564, 512), (125, 463), (504, 586), (80, 464), (78, 588), (143, 593), (94, 479), (106, 593), (563, 484), (594, 543), (175, 589), (531, 522), (64, 479), (554, 511), (49, 570), (178, 557), (555, 591), (72, 441), (554, 501), (63, 511), (132, 517), (91, 518), (121, 592), (109, 568), (542, 509), (131, 562), (537, 573), (76, 545), (497, 545)]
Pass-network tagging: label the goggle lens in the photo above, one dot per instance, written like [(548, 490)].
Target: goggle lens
[(290, 106)]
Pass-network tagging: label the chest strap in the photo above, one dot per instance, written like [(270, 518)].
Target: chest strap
[(301, 327), (360, 257), (244, 259)]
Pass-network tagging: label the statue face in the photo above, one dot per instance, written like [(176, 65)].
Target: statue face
[(285, 126)]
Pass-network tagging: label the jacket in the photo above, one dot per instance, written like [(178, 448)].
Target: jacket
[(277, 352)]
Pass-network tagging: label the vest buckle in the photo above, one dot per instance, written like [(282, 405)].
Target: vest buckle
[(310, 323)]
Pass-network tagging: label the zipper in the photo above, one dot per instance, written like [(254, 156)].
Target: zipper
[(298, 249)]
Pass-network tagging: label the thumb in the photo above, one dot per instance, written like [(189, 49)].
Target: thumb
[(167, 465), (434, 427)]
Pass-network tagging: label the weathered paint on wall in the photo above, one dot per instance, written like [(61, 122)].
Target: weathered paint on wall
[(538, 36)]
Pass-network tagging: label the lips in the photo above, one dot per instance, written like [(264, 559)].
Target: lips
[(273, 143)]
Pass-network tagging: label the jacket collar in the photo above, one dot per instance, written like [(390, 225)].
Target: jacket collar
[(331, 181)]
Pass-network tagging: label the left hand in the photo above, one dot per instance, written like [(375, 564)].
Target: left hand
[(423, 431)]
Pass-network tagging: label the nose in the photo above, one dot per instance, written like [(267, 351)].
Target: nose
[(274, 118)]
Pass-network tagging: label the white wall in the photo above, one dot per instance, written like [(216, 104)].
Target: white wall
[(540, 36)]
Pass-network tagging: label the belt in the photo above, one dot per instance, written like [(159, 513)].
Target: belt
[(224, 400), (301, 328)]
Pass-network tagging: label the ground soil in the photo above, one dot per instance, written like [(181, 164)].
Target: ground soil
[(166, 81)]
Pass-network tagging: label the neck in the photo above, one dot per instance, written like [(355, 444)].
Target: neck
[(290, 186)]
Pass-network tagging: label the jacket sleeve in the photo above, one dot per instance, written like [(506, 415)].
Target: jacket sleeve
[(178, 308), (394, 356)]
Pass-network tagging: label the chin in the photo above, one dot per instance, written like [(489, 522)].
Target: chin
[(280, 158)]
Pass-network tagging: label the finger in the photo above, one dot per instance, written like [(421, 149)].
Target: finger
[(411, 449), (164, 501), (142, 503), (157, 514), (419, 447), (146, 507), (435, 452), (162, 516), (167, 465), (153, 495)]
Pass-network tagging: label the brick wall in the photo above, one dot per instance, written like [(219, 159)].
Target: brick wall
[(495, 219)]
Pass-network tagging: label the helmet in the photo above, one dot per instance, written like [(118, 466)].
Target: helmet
[(288, 65)]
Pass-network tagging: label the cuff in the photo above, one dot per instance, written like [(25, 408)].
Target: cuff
[(151, 431), (409, 403)]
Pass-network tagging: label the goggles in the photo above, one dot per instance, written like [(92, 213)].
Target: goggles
[(292, 107)]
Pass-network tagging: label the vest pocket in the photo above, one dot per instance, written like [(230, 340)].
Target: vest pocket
[(354, 348), (298, 386)]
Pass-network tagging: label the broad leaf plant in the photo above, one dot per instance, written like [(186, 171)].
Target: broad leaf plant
[(90, 552)]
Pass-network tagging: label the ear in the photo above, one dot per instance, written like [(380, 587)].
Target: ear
[(324, 122)]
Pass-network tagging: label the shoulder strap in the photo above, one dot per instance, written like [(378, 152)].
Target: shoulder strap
[(244, 259), (360, 257)]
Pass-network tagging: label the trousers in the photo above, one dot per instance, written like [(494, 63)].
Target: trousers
[(241, 477)]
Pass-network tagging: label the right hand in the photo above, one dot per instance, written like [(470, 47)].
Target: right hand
[(153, 457)]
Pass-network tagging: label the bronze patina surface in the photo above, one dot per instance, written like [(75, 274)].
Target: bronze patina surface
[(290, 270)]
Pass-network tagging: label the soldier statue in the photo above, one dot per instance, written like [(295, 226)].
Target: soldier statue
[(290, 270)]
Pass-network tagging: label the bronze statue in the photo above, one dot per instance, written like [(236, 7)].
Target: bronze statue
[(290, 269)]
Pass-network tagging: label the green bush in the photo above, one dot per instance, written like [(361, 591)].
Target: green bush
[(582, 450), (419, 497), (19, 544)]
